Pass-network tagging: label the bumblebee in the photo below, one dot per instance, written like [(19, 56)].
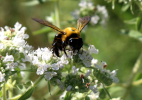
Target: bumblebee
[(69, 36)]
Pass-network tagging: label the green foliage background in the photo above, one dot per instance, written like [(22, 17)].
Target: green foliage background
[(118, 50)]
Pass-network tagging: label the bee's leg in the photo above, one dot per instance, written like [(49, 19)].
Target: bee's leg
[(63, 47), (55, 49), (65, 52)]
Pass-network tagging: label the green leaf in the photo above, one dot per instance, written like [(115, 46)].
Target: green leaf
[(30, 3), (27, 94), (139, 76), (139, 23), (0, 94), (43, 30), (49, 87), (125, 7), (132, 33), (87, 98), (40, 1), (68, 96), (20, 87), (102, 94), (18, 71), (131, 21), (131, 8), (59, 92), (27, 84)]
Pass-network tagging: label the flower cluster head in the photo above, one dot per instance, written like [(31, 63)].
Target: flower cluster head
[(98, 13), (13, 48)]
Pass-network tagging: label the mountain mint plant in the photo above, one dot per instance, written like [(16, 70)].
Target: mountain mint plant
[(78, 75)]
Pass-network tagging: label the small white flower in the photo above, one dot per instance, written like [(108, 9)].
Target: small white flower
[(64, 59), (86, 5), (55, 66), (8, 58), (75, 14), (35, 60), (18, 42), (49, 75), (17, 26), (2, 77), (7, 28), (93, 96), (87, 63), (1, 45), (88, 73), (46, 54), (28, 57), (113, 74), (40, 71), (94, 19), (38, 52), (26, 36), (103, 10), (75, 70), (11, 65), (2, 35), (45, 66), (94, 61), (115, 79), (23, 29), (83, 55), (22, 66), (69, 88), (60, 64), (92, 49), (102, 66), (93, 88)]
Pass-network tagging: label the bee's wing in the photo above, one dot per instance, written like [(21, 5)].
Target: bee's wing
[(46, 23), (82, 22)]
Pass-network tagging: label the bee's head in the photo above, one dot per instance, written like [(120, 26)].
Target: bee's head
[(75, 43)]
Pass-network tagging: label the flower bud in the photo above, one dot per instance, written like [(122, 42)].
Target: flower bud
[(102, 77)]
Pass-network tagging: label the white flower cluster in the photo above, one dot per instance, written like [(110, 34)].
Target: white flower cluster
[(98, 14), (102, 69), (46, 63), (86, 57), (12, 47)]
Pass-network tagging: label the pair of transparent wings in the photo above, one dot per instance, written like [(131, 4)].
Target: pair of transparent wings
[(81, 23)]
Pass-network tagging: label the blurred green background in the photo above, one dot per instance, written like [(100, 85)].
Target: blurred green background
[(118, 50)]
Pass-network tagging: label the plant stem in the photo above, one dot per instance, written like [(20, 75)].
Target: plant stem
[(4, 91), (32, 86), (54, 91), (133, 74), (118, 84), (57, 13), (106, 91), (10, 89)]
